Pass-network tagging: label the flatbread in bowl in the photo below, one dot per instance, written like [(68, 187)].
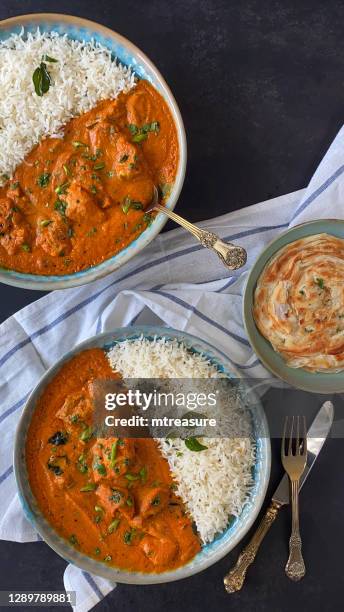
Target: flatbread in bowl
[(293, 306)]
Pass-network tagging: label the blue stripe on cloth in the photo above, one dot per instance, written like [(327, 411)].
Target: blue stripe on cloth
[(99, 324), (13, 408), (93, 584), (231, 282), (251, 365), (135, 318), (93, 297), (200, 314), (318, 191), (6, 474)]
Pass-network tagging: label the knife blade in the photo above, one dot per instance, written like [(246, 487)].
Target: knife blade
[(316, 436)]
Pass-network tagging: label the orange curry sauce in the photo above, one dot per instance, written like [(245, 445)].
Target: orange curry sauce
[(76, 201), (112, 498)]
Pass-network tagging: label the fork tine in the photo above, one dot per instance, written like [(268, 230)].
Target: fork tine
[(284, 436), (291, 436), (304, 443), (297, 447)]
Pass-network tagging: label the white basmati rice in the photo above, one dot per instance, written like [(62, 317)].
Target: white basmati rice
[(214, 484), (83, 75)]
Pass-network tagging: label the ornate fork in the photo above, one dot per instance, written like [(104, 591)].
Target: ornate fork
[(294, 462), (232, 256)]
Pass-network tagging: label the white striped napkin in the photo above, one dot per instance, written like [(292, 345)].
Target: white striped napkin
[(173, 280)]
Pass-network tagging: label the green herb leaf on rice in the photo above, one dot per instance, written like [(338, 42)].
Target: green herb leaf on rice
[(194, 445), (41, 79)]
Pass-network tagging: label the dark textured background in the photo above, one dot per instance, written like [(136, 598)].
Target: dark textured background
[(260, 85)]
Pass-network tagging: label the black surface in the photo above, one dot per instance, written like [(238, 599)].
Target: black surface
[(261, 89)]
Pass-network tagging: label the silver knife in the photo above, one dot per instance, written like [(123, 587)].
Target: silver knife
[(316, 437)]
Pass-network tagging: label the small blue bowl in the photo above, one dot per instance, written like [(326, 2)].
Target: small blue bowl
[(315, 382), (210, 553), (129, 55)]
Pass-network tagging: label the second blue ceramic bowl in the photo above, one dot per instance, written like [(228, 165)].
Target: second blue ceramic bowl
[(209, 554)]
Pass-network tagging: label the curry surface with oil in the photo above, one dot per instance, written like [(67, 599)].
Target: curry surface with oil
[(78, 200), (112, 498)]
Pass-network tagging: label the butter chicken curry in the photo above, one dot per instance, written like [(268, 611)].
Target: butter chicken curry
[(112, 498), (76, 201)]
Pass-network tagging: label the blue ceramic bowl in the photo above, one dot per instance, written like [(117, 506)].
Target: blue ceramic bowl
[(316, 382), (83, 29), (209, 554)]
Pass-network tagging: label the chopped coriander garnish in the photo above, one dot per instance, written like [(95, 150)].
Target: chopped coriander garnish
[(138, 138), (143, 474), (139, 134), (116, 496), (55, 468), (128, 536), (59, 438), (91, 486), (132, 477), (123, 159), (61, 207), (99, 166), (43, 179), (82, 465), (73, 539), (77, 144), (86, 435), (320, 282), (26, 248), (128, 203), (156, 500), (100, 468), (113, 526), (45, 222), (61, 189), (148, 219), (113, 454)]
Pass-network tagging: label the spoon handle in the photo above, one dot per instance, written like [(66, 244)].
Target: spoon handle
[(232, 256)]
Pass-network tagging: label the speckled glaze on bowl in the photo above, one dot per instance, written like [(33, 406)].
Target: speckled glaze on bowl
[(128, 54), (210, 553), (297, 377)]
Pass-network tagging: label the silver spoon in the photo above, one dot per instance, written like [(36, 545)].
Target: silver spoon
[(233, 257)]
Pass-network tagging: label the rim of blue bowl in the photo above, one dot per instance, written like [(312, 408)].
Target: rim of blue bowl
[(211, 553), (143, 67), (314, 382)]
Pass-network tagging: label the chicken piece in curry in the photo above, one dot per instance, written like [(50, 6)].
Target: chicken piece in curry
[(78, 200), (114, 499)]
